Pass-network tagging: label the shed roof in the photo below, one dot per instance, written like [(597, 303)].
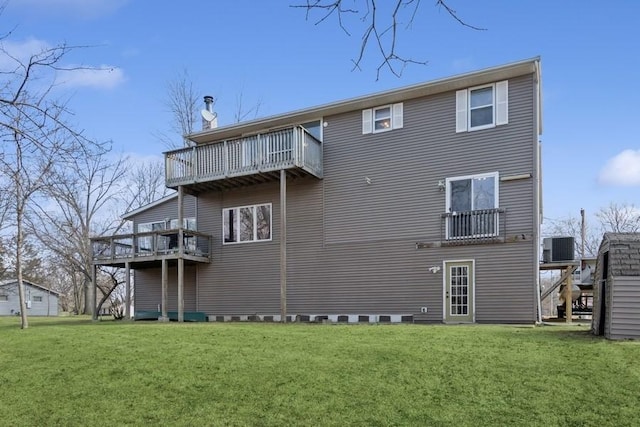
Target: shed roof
[(28, 283), (624, 253)]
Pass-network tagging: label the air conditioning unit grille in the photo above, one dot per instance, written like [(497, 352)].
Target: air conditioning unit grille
[(558, 249)]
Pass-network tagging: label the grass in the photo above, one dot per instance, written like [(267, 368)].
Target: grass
[(70, 371)]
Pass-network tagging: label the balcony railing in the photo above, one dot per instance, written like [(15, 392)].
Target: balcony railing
[(149, 245), (288, 148), (473, 226)]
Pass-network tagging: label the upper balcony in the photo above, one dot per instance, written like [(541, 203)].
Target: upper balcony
[(473, 227), (244, 161)]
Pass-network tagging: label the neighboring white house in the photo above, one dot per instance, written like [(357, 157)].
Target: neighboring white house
[(40, 301)]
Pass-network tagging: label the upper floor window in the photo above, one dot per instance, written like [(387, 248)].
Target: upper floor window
[(381, 119), (472, 206), (37, 298), (474, 192), (246, 224), (482, 107)]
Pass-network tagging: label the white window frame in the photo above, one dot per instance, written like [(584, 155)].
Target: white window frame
[(496, 195), (4, 297), (499, 103), (496, 180), (492, 105), (255, 227), (396, 118), (386, 118), (37, 298)]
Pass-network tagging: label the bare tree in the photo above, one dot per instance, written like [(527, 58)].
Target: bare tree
[(617, 218), (382, 23), (182, 101), (145, 184), (242, 113), (36, 137), (80, 202)]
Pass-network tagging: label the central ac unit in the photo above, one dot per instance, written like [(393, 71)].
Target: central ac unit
[(558, 249)]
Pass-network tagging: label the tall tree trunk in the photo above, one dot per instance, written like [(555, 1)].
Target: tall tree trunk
[(24, 324)]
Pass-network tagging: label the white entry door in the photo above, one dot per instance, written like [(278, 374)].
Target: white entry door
[(459, 292)]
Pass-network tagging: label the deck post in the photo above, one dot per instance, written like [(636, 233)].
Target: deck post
[(180, 289), (93, 292), (127, 291), (164, 317), (180, 254), (568, 291), (283, 246)]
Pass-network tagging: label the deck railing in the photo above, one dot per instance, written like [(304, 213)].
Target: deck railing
[(470, 226), (148, 244), (271, 151)]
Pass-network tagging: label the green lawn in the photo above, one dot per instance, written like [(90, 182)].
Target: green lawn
[(70, 371)]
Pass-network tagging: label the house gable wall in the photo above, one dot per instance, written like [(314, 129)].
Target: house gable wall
[(351, 243)]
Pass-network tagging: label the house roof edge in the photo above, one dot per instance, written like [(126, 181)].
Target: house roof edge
[(456, 82)]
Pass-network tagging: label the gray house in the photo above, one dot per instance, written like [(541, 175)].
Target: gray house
[(616, 307), (417, 204), (39, 300)]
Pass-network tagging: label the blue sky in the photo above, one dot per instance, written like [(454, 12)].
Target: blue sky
[(269, 54)]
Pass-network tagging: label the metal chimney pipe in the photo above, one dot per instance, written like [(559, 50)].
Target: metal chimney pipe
[(208, 101)]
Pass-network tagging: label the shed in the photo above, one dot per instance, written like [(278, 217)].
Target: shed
[(616, 311), (39, 300)]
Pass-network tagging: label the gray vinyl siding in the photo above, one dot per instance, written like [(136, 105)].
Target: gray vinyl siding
[(148, 284), (625, 308), (243, 278), (168, 209), (351, 246), (47, 307), (405, 165)]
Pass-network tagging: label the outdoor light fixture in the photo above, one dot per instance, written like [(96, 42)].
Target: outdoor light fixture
[(441, 185)]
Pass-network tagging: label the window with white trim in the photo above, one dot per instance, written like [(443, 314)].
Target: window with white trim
[(246, 224), (482, 107), (37, 298), (383, 118), (4, 297), (472, 206)]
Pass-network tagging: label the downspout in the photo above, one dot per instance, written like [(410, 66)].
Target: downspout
[(537, 214), (283, 246)]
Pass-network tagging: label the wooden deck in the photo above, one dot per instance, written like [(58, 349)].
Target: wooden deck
[(244, 161), (148, 249)]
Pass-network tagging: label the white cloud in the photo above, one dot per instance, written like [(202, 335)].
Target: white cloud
[(20, 52), (102, 77), (84, 9), (622, 169)]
